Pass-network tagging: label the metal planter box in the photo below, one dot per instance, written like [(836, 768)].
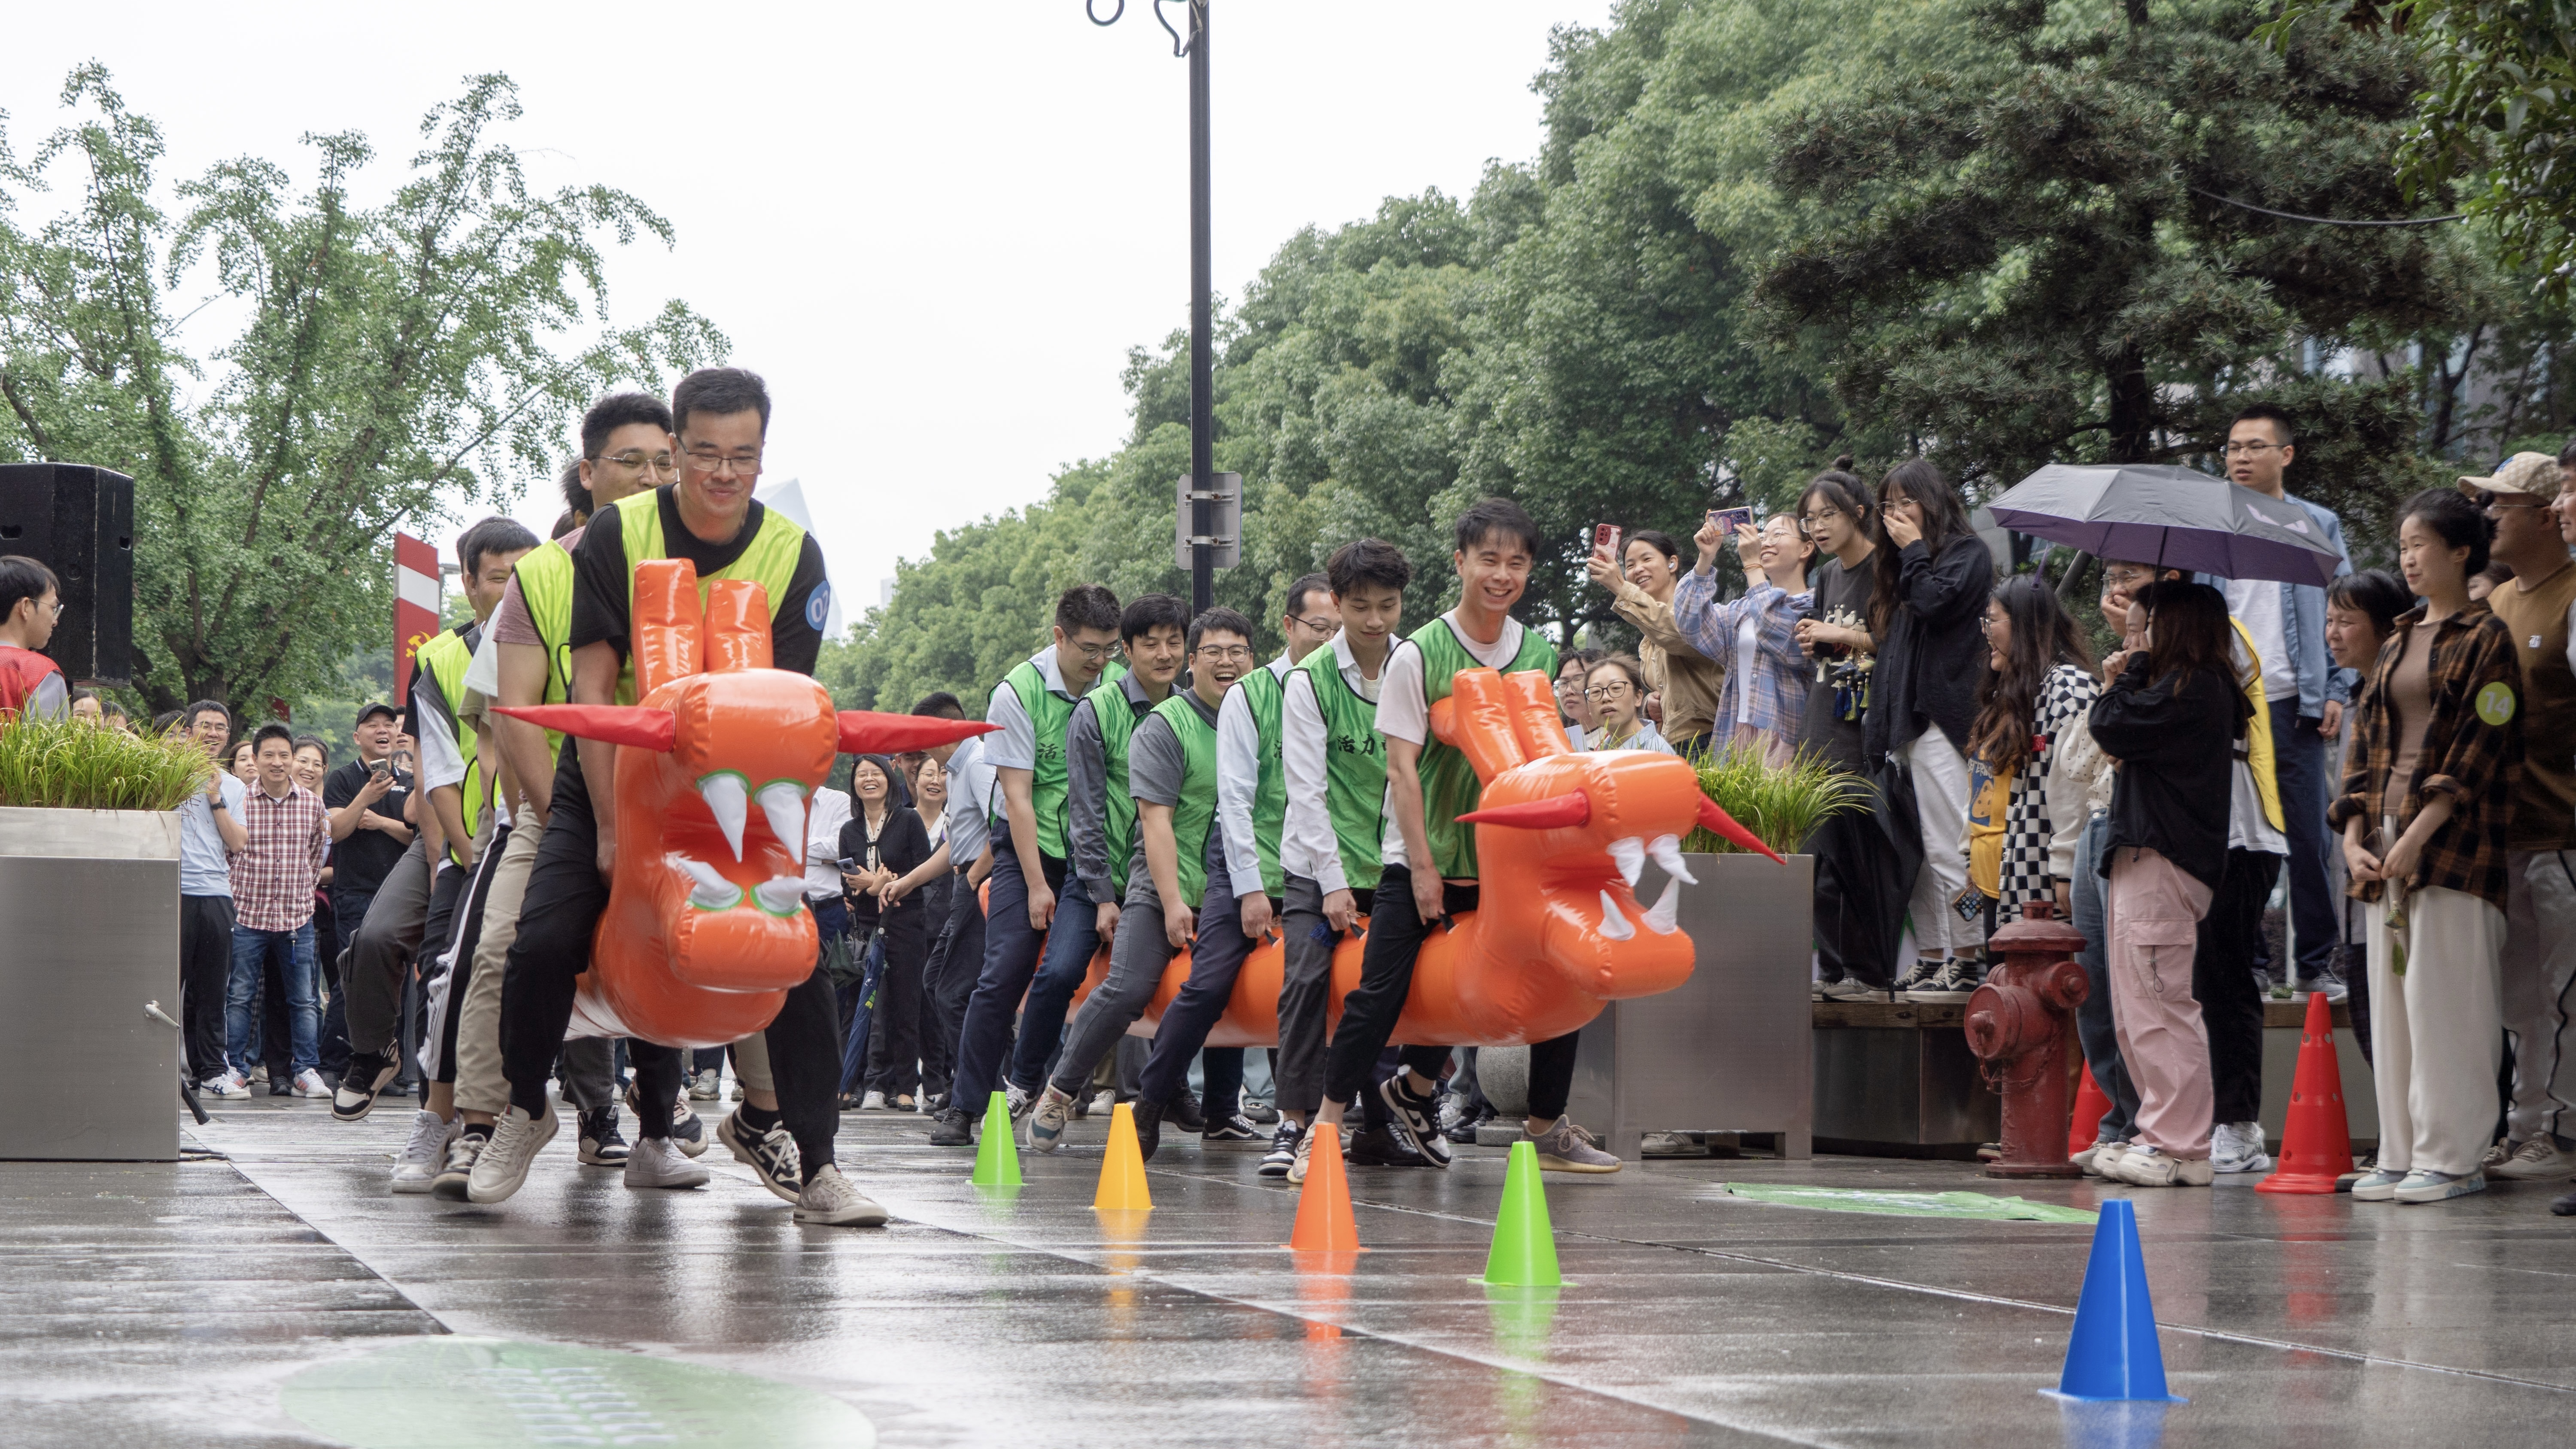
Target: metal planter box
[(89, 932)]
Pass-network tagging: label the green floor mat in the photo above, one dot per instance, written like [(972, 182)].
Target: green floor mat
[(1909, 1204)]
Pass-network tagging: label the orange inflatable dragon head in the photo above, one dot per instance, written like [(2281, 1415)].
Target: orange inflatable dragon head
[(706, 927)]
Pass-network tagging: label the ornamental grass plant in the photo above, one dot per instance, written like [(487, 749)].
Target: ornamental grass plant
[(69, 765), (1780, 804)]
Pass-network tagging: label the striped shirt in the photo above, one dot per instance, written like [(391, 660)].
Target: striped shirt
[(277, 868)]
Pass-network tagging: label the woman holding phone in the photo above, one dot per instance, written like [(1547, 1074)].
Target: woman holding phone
[(1766, 688), (1641, 584)]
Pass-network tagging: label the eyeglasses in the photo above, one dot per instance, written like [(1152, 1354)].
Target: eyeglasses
[(1819, 517), (636, 460), (1094, 652), (1604, 693), (1223, 652), (1318, 625), (2497, 505), (2249, 449), (743, 466)]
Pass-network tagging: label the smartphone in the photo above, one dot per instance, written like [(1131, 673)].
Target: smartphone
[(381, 768), (1728, 520), (847, 865), (1605, 539)]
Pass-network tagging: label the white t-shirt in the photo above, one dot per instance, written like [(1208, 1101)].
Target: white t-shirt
[(2256, 603), (1403, 713), (1748, 639)]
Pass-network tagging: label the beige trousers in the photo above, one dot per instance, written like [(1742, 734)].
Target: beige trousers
[(2437, 1032)]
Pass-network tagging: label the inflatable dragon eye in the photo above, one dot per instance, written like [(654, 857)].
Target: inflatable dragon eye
[(706, 927)]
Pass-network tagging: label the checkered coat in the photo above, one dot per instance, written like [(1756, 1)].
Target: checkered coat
[(2040, 836)]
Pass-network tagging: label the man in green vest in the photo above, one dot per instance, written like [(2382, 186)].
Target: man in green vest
[(1245, 882), (1099, 814), (1023, 917), (1430, 858), (1334, 762), (709, 517), (1171, 773)]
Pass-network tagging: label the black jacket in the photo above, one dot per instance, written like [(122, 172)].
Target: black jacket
[(903, 843), (1934, 656), (2175, 749)]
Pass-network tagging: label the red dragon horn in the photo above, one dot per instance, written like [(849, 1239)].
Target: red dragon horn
[(1553, 813), (618, 724), (1724, 824), (867, 732)]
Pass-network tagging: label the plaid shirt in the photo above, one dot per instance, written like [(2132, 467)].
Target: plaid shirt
[(1780, 673), (2472, 752), (276, 870)]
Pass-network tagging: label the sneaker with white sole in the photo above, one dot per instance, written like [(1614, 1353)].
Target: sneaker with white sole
[(688, 1129), (1670, 1144), (1283, 1149), (1564, 1147), (457, 1171), (1306, 1151), (872, 1102), (1047, 1124), (1235, 1128), (831, 1200), (1953, 980), (222, 1085), (366, 1079), (2425, 1185), (1017, 1100), (706, 1085), (309, 1083), (2147, 1166), (2238, 1147), (2539, 1159), (1415, 1119), (2378, 1185), (1103, 1103), (502, 1167), (2497, 1152), (771, 1154), (1852, 988), (658, 1162), (423, 1152), (1917, 977), (602, 1145)]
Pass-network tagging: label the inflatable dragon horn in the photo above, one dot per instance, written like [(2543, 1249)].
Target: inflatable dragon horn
[(706, 927)]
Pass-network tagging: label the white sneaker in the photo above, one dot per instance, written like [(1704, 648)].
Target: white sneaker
[(456, 1174), (2537, 1159), (831, 1201), (1104, 1104), (1048, 1123), (223, 1084), (424, 1152), (1852, 988), (2238, 1147), (658, 1162), (2378, 1185), (1017, 1100), (2426, 1185), (704, 1086), (872, 1102), (503, 1166), (259, 1074), (308, 1083), (2098, 1159), (2145, 1166)]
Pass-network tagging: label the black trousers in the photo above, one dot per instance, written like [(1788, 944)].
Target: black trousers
[(1395, 936), (2222, 979), (948, 979), (205, 972), (895, 1032)]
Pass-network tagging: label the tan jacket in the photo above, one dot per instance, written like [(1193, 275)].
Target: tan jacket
[(1689, 680)]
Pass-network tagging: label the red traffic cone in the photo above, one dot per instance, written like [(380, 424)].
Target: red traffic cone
[(2090, 1104), (2316, 1143)]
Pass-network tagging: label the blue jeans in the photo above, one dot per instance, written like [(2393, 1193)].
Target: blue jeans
[(1071, 941), (293, 952), (1011, 952), (2093, 1023), (2299, 771)]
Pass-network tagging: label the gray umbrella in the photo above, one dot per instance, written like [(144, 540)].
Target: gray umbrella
[(2171, 517)]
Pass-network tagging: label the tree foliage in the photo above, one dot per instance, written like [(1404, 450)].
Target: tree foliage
[(395, 363)]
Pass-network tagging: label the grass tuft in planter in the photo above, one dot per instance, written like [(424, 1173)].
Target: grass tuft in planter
[(1781, 805), (68, 765)]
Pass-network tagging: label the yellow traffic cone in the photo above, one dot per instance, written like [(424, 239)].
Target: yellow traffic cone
[(1122, 1172)]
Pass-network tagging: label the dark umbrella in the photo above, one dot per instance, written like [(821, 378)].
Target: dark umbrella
[(2154, 513)]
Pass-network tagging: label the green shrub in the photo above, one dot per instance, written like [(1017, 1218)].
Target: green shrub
[(67, 765), (1781, 805)]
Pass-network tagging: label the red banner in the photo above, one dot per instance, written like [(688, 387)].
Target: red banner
[(416, 591)]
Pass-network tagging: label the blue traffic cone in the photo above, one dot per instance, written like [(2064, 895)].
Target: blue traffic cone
[(2113, 1354)]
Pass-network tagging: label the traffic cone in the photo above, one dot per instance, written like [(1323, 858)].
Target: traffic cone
[(2316, 1141), (997, 1157), (2090, 1104), (2113, 1354), (1324, 1220), (1122, 1172), (1524, 1252)]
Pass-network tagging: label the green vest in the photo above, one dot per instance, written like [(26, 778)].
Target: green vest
[(1048, 712), (446, 659), (1109, 705), (1449, 784), (769, 561), (1197, 809), (1263, 691), (1354, 769)]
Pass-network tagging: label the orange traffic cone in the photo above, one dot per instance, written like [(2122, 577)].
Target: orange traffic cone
[(1324, 1220), (2090, 1104), (2316, 1143), (1122, 1172)]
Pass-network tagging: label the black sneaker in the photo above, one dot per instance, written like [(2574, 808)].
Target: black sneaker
[(1381, 1146), (1183, 1110), (1463, 1131), (1917, 977), (1261, 1114), (2563, 1205), (1283, 1149), (367, 1078), (1149, 1126), (1417, 1119), (602, 1145), (951, 1129), (1952, 980), (768, 1151), (1237, 1128), (281, 1086)]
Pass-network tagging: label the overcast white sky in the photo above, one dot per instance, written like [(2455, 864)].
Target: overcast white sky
[(935, 229)]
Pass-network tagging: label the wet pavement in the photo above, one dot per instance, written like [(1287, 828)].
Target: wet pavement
[(171, 1304)]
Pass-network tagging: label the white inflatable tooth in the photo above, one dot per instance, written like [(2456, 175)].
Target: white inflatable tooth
[(1614, 925), (780, 895), (1667, 851), (731, 803), (1664, 917), (783, 801), (1631, 856), (713, 891)]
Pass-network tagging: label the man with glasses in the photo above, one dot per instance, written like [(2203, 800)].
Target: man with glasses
[(2526, 501), (2304, 690), (1172, 776), (1033, 705), (31, 605)]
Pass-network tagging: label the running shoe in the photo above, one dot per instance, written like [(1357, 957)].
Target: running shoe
[(1306, 1152), (771, 1154), (2538, 1159), (502, 1167), (830, 1200), (2425, 1185), (423, 1152), (223, 1084), (1047, 1124), (951, 1129), (1283, 1149), (308, 1083), (2238, 1147), (1415, 1118), (1565, 1147), (705, 1085), (657, 1162), (455, 1173), (366, 1079), (2146, 1166), (872, 1102), (1102, 1104), (602, 1145), (1237, 1128), (1382, 1146)]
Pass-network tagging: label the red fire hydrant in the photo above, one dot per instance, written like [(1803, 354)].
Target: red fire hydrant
[(2016, 1025)]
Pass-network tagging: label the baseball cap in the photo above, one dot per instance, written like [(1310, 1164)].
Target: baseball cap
[(376, 708), (2535, 474)]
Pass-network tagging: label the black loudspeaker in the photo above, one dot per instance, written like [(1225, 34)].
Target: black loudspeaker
[(79, 522)]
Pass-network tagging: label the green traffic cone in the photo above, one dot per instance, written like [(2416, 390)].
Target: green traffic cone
[(1524, 1254), (997, 1157)]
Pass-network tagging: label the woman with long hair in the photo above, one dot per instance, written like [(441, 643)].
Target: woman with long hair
[(2427, 799), (2171, 715), (1933, 578), (2362, 610), (1641, 582), (884, 841), (2038, 689), (1859, 902), (1765, 694)]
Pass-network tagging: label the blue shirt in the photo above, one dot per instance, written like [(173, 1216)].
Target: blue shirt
[(204, 869), (2303, 618)]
